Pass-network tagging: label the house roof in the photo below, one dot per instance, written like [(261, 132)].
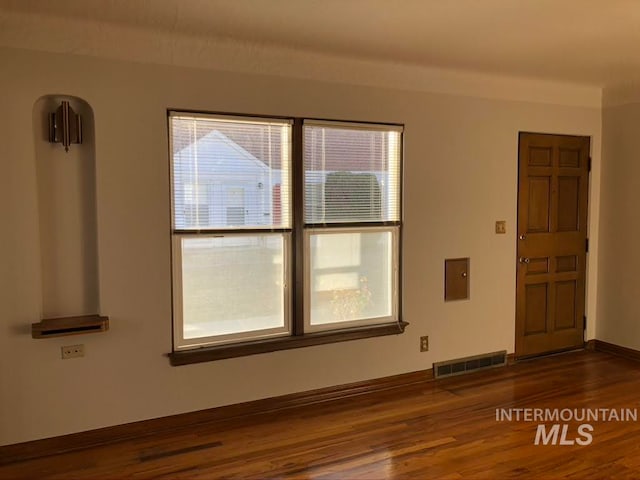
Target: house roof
[(216, 150)]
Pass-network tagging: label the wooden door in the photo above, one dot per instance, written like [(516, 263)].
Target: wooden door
[(553, 186)]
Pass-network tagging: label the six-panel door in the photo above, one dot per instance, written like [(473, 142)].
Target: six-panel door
[(553, 184)]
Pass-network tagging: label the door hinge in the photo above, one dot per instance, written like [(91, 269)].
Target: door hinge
[(586, 245), (589, 164), (584, 322)]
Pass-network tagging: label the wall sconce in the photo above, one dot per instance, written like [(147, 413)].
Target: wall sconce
[(65, 126)]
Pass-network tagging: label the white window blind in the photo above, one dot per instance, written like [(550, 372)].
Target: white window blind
[(230, 173), (351, 173)]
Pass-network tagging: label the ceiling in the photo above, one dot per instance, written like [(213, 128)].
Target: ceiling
[(592, 42)]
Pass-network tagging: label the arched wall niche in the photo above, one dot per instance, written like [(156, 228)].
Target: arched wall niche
[(66, 185)]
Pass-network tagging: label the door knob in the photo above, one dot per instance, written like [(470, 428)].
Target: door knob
[(524, 260), (522, 237)]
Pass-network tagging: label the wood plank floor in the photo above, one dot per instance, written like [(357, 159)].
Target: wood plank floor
[(444, 429)]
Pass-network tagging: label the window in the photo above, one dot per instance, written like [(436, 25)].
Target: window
[(351, 187), (277, 242), (232, 233)]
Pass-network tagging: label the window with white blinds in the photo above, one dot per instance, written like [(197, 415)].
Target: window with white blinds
[(245, 259), (352, 188), (230, 173), (351, 173), (231, 179)]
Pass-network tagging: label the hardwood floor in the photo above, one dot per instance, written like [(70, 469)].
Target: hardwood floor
[(436, 429)]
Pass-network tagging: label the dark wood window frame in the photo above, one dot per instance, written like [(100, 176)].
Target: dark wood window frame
[(298, 338)]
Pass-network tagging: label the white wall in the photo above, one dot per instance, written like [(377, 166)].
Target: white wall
[(619, 259), (461, 173)]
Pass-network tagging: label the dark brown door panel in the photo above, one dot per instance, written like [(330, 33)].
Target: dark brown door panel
[(553, 186)]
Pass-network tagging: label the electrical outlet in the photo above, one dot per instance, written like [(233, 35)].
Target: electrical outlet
[(72, 351), (424, 343)]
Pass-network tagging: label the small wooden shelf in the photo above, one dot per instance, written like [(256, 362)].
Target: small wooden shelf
[(59, 327)]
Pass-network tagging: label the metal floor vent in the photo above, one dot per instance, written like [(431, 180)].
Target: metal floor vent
[(469, 364)]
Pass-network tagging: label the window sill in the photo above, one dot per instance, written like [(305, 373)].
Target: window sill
[(208, 354)]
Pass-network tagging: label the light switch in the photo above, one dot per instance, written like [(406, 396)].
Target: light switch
[(501, 226)]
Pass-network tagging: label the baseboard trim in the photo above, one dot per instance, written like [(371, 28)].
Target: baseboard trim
[(104, 436), (77, 441), (613, 349)]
